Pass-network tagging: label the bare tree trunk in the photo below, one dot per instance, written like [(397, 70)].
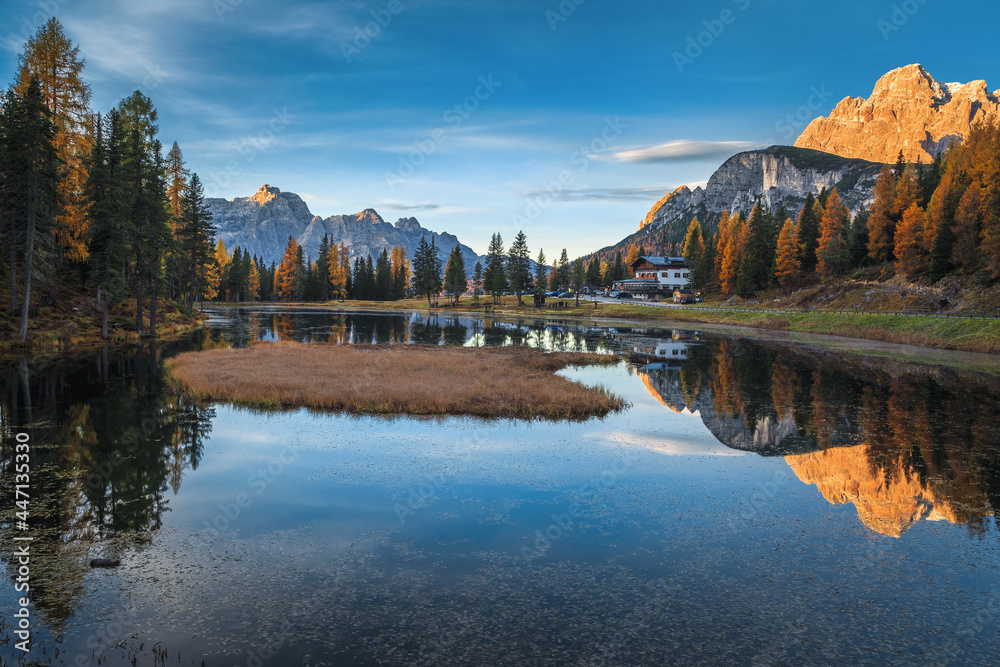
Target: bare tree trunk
[(138, 304), (22, 368), (104, 323), (29, 258), (13, 276)]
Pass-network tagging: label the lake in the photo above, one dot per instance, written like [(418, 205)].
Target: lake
[(759, 503)]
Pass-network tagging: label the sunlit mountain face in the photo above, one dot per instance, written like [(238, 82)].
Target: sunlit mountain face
[(901, 444)]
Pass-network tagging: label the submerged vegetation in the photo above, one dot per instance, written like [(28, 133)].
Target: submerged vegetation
[(509, 382)]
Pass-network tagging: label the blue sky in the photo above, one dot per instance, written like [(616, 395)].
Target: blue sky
[(567, 119)]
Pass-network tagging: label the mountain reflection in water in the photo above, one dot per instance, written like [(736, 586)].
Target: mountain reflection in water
[(901, 446)]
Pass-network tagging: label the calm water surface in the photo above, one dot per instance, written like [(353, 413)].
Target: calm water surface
[(758, 504)]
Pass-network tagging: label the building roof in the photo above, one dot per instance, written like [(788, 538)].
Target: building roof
[(661, 261)]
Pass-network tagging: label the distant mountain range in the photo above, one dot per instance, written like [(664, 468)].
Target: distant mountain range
[(262, 223), (908, 111)]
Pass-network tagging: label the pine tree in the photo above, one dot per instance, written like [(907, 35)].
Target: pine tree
[(578, 276), (909, 250), (519, 266), (788, 263), (541, 268), (477, 282), (594, 272), (32, 172), (106, 218), (808, 226), (322, 272), (857, 240), (196, 237), (383, 277), (563, 271), (831, 254), (52, 59), (455, 280), (737, 234), (757, 256), (494, 276)]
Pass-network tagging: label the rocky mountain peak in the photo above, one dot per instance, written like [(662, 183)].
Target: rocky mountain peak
[(369, 216), (408, 225), (908, 110), (265, 194)]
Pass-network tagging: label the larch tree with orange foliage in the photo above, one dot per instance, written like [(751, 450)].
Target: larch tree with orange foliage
[(965, 252), (51, 58), (832, 253), (738, 234), (881, 228), (284, 276), (788, 262), (989, 213), (911, 258)]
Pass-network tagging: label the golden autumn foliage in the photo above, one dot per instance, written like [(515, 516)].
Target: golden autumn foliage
[(737, 234), (832, 251), (788, 263), (881, 228), (284, 275), (965, 252), (910, 254)]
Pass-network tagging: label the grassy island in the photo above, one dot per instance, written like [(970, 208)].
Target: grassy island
[(509, 382)]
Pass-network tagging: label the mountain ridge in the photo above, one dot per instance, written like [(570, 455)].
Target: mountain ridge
[(262, 222)]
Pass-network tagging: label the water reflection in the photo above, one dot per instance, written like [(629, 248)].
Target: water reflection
[(108, 443), (901, 446), (117, 451)]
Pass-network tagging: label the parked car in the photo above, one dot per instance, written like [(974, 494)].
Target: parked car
[(553, 293), (686, 300), (614, 295), (624, 295), (567, 295)]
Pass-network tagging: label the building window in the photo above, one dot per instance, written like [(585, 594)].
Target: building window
[(686, 275)]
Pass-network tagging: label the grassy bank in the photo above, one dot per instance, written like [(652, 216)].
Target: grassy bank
[(74, 322), (513, 382)]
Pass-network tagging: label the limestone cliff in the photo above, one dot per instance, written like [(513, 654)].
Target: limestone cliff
[(908, 110), (262, 223)]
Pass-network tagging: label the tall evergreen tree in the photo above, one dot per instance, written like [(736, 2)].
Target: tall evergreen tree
[(477, 282), (495, 277), (32, 174), (831, 254), (563, 276), (808, 225), (455, 280), (196, 238), (427, 270), (519, 266), (578, 275), (383, 277), (540, 269), (757, 256)]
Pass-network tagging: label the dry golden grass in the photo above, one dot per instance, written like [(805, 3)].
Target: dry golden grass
[(508, 382)]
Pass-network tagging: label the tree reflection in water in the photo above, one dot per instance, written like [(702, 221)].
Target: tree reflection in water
[(918, 443)]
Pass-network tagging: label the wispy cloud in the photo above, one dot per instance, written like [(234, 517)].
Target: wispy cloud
[(600, 194), (679, 151)]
